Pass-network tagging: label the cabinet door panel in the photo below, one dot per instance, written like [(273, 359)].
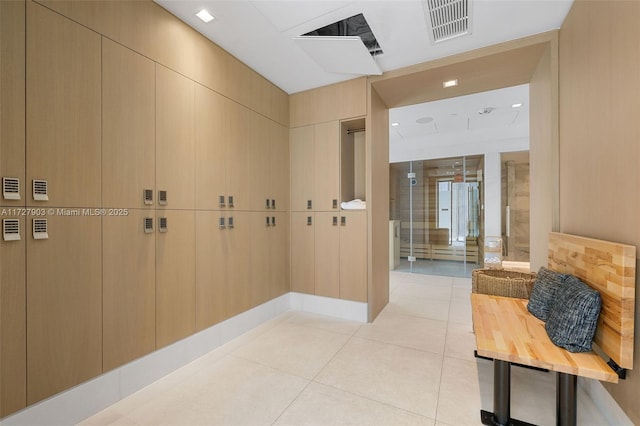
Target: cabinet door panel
[(260, 255), (64, 296), (279, 156), (326, 140), (259, 162), (175, 138), (13, 356), (327, 240), (238, 257), (279, 255), (302, 252), (353, 256), (237, 178), (128, 288), (211, 146), (63, 108), (211, 269), (128, 126), (302, 167), (175, 277)]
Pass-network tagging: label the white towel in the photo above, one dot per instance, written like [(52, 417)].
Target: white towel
[(354, 205)]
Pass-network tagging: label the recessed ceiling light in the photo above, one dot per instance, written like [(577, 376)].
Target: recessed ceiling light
[(449, 83), (516, 105), (395, 124), (205, 15)]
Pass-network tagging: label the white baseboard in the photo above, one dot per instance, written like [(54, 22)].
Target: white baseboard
[(605, 402), (78, 403)]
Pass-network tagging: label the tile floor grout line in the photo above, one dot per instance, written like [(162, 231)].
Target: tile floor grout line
[(446, 335)]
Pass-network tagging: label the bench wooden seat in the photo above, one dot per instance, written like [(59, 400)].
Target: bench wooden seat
[(506, 330), (508, 333)]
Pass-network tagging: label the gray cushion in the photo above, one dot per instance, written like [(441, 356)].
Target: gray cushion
[(574, 316), (544, 291)]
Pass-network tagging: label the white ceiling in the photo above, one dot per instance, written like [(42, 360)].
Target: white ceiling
[(261, 33)]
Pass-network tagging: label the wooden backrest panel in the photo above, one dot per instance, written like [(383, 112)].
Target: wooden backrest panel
[(609, 268)]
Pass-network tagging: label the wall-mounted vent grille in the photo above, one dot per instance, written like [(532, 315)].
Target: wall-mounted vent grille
[(11, 188), (148, 196), (162, 197), (40, 229), (148, 225), (447, 19), (11, 229), (40, 190), (162, 224)]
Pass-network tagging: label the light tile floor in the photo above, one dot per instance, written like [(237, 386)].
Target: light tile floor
[(413, 365)]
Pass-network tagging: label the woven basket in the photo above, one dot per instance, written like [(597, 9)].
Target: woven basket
[(500, 282)]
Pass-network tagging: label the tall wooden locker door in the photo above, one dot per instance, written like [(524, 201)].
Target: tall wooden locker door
[(279, 254), (175, 275), (260, 257), (326, 153), (238, 118), (13, 356), (302, 168), (175, 140), (128, 286), (13, 370), (128, 128), (353, 256), (211, 268), (259, 165), (327, 265), (303, 252), (211, 146), (64, 300), (238, 239), (279, 162), (63, 110)]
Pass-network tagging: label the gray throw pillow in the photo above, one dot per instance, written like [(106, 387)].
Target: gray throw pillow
[(543, 293), (574, 316)]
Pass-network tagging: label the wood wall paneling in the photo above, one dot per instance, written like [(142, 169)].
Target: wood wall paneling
[(128, 127), (303, 252), (301, 148), (175, 276), (211, 269), (128, 288), (175, 138), (64, 299), (63, 108), (259, 254), (353, 256), (237, 155), (211, 139), (327, 251), (326, 155), (279, 161), (259, 162), (599, 133), (279, 255), (238, 241)]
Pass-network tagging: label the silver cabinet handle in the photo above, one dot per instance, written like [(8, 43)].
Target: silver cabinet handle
[(309, 205), (273, 204), (148, 196), (162, 197), (221, 223), (267, 223), (335, 220), (343, 220), (230, 200), (267, 205), (335, 203), (230, 222), (309, 220), (273, 221), (221, 201)]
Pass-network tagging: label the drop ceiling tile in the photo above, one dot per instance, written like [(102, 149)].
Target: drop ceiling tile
[(342, 55), (285, 15)]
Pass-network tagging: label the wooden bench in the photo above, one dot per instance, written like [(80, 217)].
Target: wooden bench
[(508, 333)]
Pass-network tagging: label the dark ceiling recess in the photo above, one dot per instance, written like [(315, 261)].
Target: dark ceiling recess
[(354, 26)]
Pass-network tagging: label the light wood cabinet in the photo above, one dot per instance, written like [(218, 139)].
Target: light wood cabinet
[(211, 269), (13, 357), (327, 259), (64, 300), (175, 276), (63, 107), (175, 139), (260, 257), (128, 287), (237, 240), (302, 168), (279, 161), (303, 252), (211, 133), (238, 119), (326, 154), (128, 127), (353, 255), (279, 254), (259, 169)]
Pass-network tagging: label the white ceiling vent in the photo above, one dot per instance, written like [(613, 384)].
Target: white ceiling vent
[(447, 19)]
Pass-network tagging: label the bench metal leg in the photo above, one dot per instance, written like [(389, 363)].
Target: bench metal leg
[(501, 415), (566, 401)]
